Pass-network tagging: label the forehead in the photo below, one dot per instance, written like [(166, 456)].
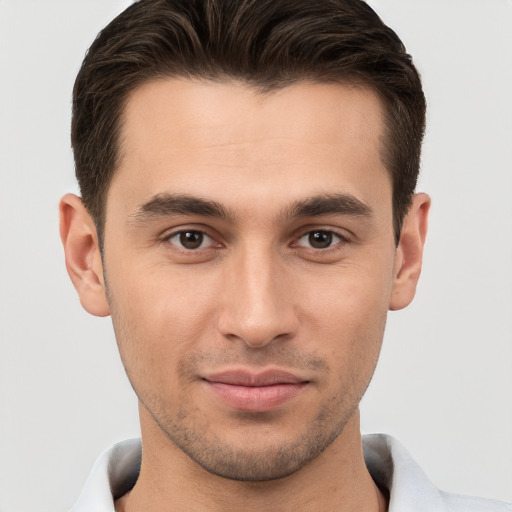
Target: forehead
[(227, 140)]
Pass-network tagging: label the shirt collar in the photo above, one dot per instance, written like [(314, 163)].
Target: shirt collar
[(392, 468)]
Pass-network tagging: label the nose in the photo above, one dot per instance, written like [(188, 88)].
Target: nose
[(258, 305)]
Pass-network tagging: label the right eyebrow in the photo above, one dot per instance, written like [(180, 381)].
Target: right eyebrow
[(164, 205)]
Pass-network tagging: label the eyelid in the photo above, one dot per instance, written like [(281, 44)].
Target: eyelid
[(206, 240), (334, 243), (169, 234), (344, 234)]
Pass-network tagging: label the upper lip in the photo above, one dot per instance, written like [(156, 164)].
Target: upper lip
[(254, 379)]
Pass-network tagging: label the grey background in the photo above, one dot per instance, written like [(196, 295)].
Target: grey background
[(443, 386)]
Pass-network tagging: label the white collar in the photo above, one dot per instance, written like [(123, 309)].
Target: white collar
[(389, 463)]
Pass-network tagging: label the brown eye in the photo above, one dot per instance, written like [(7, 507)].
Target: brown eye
[(319, 239), (190, 240)]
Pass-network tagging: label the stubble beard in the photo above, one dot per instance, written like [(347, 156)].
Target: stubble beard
[(190, 431), (264, 460)]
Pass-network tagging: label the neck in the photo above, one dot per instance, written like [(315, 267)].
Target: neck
[(169, 480)]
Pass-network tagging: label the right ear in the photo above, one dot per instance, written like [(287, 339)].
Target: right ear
[(83, 258)]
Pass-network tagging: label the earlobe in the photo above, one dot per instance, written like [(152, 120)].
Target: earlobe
[(83, 259), (409, 253)]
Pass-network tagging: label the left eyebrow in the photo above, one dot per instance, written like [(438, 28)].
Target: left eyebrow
[(330, 204)]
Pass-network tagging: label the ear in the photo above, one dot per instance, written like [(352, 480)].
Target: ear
[(409, 253), (83, 258)]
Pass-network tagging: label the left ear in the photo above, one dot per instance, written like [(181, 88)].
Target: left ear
[(409, 253)]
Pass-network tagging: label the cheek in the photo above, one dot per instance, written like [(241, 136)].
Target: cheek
[(158, 320), (352, 298), (346, 317)]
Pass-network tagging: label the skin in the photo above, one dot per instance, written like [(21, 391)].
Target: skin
[(259, 292)]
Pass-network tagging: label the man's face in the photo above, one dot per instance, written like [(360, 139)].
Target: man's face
[(249, 264)]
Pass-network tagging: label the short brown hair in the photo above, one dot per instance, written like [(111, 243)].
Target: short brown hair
[(268, 44)]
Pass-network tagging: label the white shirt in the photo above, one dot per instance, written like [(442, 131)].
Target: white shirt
[(116, 470)]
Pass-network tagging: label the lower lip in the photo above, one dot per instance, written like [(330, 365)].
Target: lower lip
[(256, 398)]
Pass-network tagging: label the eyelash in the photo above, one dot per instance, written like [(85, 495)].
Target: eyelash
[(181, 232), (342, 239), (330, 233)]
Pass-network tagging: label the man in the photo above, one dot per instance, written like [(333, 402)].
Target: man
[(248, 217)]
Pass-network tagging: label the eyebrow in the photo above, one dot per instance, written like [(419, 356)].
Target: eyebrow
[(330, 204), (164, 205)]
